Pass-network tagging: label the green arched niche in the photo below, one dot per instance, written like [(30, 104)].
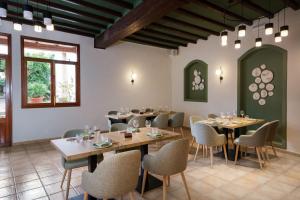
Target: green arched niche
[(195, 81), (275, 107)]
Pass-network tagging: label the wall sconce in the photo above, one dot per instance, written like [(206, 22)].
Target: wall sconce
[(133, 77), (219, 72)]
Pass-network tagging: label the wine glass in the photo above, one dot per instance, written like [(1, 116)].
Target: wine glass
[(242, 113), (135, 124), (148, 124)]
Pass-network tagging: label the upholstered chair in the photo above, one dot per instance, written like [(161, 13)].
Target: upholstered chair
[(149, 110), (171, 159), (69, 165), (255, 139), (161, 121), (230, 131), (112, 121), (141, 120), (212, 116), (176, 121), (207, 135), (135, 111), (193, 120), (115, 176), (271, 136), (118, 127)]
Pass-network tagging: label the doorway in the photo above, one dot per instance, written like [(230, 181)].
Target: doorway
[(262, 82), (5, 90)]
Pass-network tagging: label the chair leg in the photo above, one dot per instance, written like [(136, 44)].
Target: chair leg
[(267, 153), (131, 196), (211, 156), (274, 150), (169, 181), (144, 182), (63, 179), (85, 196), (181, 130), (203, 150), (225, 153), (193, 140), (258, 155), (196, 152), (185, 185), (164, 187), (173, 130), (68, 183), (236, 153)]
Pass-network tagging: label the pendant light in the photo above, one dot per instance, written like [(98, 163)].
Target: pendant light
[(284, 30), (277, 35), (3, 9), (37, 27), (224, 34), (237, 44), (50, 27), (242, 31), (28, 11), (47, 16), (17, 24), (258, 40), (269, 26)]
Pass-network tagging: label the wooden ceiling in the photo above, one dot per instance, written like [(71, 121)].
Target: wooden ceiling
[(162, 23)]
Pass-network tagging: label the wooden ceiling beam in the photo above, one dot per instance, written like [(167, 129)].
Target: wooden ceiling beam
[(291, 3), (177, 31), (256, 8), (158, 39), (156, 44), (221, 10), (120, 3), (145, 13), (61, 16), (190, 25), (65, 8), (204, 18), (96, 7), (163, 34)]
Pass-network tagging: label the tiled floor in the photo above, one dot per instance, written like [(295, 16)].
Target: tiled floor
[(34, 172)]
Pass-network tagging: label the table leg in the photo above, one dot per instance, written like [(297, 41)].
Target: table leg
[(92, 164), (151, 181)]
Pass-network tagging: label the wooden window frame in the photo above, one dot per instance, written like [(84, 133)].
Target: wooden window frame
[(53, 103)]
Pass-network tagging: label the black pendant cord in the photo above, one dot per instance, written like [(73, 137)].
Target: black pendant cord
[(258, 27), (278, 22)]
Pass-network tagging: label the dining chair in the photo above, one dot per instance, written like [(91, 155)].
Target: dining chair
[(176, 121), (141, 120), (212, 116), (135, 111), (171, 159), (118, 127), (149, 110), (112, 121), (161, 121), (207, 135), (69, 165), (115, 176), (193, 120), (256, 139)]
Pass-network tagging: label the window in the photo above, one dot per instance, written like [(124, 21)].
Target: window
[(50, 73)]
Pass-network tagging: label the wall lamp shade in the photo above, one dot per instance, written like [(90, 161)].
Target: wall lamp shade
[(47, 18), (269, 29), (278, 37), (50, 27), (242, 31), (258, 42), (237, 44), (17, 26), (224, 37), (284, 31), (28, 12), (38, 28), (3, 9), (219, 72)]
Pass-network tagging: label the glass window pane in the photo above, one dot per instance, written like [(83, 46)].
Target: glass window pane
[(3, 45), (65, 83), (2, 88), (38, 82)]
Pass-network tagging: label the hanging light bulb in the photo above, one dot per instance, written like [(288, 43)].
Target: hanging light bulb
[(258, 42), (3, 9), (242, 31), (278, 37), (17, 26), (284, 30), (269, 29), (237, 44), (224, 37), (50, 27), (28, 12), (47, 18), (38, 28)]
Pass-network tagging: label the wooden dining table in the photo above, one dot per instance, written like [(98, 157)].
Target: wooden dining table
[(234, 124), (71, 149)]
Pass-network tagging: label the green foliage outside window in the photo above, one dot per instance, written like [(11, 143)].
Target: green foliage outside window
[(2, 79)]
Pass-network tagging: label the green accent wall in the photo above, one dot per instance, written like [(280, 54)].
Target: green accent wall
[(275, 59), (193, 92)]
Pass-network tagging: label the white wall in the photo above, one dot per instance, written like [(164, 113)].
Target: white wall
[(223, 97), (105, 85)]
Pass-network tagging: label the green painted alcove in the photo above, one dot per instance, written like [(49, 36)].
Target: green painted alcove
[(195, 81), (273, 59)]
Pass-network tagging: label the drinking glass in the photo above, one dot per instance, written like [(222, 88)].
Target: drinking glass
[(86, 129), (148, 123), (222, 115), (135, 124), (242, 113), (234, 114)]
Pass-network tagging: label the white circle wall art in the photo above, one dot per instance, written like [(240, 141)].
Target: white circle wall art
[(198, 82), (253, 87), (263, 93), (270, 87), (256, 72), (256, 96), (258, 80), (262, 86), (262, 102), (266, 76)]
